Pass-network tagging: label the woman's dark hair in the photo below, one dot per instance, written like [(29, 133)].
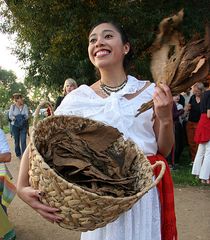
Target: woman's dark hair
[(124, 38)]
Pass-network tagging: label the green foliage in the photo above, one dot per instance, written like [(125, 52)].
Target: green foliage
[(32, 95), (52, 35), (8, 86), (6, 129)]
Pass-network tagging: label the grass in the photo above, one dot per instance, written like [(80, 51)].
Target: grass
[(182, 175)]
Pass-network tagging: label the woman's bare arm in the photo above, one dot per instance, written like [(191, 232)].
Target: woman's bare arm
[(30, 195), (208, 113), (163, 125)]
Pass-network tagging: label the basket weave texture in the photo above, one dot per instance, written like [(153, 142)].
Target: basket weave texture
[(83, 210)]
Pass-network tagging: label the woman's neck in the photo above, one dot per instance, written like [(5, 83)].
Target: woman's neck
[(19, 105), (114, 78)]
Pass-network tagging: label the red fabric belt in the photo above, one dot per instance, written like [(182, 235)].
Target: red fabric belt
[(166, 195)]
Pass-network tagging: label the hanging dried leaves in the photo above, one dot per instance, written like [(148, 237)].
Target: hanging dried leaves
[(177, 64)]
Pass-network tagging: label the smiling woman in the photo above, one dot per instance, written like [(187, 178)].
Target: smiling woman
[(8, 60), (153, 216)]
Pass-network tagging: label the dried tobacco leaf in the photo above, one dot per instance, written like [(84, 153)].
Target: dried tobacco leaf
[(177, 64), (91, 161)]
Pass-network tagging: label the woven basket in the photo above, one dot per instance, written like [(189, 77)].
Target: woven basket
[(82, 210)]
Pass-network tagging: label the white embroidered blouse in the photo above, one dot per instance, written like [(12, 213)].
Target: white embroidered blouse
[(117, 111), (142, 221)]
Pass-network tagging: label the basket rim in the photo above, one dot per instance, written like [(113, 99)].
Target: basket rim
[(73, 185)]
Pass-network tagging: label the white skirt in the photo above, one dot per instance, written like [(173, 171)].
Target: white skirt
[(141, 222), (201, 165)]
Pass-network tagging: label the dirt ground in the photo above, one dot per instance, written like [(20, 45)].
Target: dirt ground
[(192, 211)]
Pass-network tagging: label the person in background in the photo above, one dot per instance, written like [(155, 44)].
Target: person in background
[(178, 112), (69, 85), (18, 113), (7, 190), (201, 165), (187, 95), (114, 100), (181, 100), (193, 111)]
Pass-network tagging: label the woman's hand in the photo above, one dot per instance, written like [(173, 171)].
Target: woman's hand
[(187, 107), (32, 198), (163, 102), (5, 157)]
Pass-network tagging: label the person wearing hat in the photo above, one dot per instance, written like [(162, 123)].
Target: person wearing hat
[(18, 114)]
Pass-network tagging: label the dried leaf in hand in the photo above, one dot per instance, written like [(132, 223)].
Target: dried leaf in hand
[(166, 50), (177, 65)]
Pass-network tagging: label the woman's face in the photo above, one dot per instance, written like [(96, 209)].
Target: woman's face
[(196, 91), (69, 88), (106, 47), (176, 98), (19, 101)]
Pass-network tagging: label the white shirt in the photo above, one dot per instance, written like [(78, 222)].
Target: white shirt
[(116, 111)]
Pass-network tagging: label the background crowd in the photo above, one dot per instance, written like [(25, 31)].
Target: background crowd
[(191, 113)]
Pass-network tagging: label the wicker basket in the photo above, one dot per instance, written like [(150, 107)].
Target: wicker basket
[(82, 210)]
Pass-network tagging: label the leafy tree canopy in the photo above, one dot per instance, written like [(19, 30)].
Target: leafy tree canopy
[(52, 35)]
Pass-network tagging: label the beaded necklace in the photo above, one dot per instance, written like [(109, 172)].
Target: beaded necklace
[(108, 90)]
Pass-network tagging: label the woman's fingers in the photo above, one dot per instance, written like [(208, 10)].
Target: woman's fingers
[(162, 95), (163, 102), (47, 212), (49, 215), (32, 198), (38, 205)]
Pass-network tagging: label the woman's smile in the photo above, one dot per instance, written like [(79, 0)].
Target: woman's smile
[(102, 53)]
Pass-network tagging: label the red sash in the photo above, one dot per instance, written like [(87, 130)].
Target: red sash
[(202, 132), (166, 195)]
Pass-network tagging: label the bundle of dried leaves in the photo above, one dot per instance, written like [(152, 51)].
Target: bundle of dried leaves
[(177, 64), (91, 161)]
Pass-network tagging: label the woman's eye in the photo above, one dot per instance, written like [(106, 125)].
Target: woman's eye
[(108, 36), (92, 40)]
